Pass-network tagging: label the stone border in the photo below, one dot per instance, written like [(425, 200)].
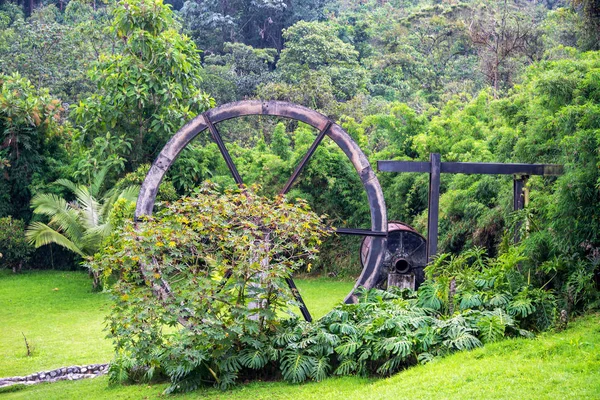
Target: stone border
[(72, 373)]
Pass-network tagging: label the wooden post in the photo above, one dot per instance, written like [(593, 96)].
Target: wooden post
[(434, 204), (519, 182)]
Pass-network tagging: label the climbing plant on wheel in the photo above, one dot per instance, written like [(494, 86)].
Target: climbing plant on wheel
[(201, 285)]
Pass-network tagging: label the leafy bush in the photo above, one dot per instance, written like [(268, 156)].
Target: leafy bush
[(215, 266), (14, 249), (382, 334), (469, 281)]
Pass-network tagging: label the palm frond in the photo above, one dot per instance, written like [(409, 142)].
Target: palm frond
[(68, 184), (90, 242), (90, 208), (130, 193), (40, 234), (99, 232), (98, 181), (63, 217), (48, 204)]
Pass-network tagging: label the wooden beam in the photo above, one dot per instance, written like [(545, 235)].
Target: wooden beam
[(472, 168), (403, 166), (501, 169)]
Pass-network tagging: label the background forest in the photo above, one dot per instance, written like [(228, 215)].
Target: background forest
[(90, 91)]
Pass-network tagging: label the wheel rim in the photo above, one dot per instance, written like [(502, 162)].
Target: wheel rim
[(370, 274)]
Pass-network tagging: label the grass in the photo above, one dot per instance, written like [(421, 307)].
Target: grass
[(63, 320), (60, 316), (563, 365)]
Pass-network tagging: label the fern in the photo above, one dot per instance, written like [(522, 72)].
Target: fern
[(186, 384), (425, 358), (459, 337), (428, 296), (390, 366), (499, 299), (470, 300), (397, 346), (227, 380), (463, 341), (230, 364), (343, 328), (427, 337), (286, 337), (521, 307)]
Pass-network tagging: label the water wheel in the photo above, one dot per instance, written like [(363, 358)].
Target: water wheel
[(371, 260)]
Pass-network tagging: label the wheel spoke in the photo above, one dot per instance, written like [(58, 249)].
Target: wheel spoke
[(224, 280), (298, 297), (359, 232), (307, 156), (219, 140)]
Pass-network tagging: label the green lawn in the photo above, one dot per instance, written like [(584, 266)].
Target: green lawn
[(60, 316), (562, 365), (63, 320)]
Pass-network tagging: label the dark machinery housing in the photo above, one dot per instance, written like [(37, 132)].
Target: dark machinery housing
[(405, 256)]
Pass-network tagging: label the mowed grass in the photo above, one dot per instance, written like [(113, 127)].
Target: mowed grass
[(63, 319), (558, 366), (60, 317), (563, 365)]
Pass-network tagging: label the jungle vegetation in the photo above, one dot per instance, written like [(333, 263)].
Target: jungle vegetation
[(90, 91)]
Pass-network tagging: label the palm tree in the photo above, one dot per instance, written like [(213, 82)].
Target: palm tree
[(79, 225)]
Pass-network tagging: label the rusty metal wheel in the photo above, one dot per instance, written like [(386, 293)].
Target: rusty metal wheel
[(370, 275)]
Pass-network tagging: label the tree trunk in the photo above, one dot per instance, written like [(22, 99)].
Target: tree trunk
[(451, 293), (17, 268)]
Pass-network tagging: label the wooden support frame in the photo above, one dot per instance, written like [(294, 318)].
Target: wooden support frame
[(435, 168)]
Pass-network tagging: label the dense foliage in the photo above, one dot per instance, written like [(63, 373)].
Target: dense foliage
[(90, 92), (15, 249), (201, 293), (478, 81), (147, 91), (214, 263), (31, 138)]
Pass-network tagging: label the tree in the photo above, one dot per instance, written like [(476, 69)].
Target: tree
[(15, 249), (31, 134), (150, 89), (246, 66), (315, 47), (506, 38), (214, 268), (256, 23), (48, 48), (427, 54), (590, 11)]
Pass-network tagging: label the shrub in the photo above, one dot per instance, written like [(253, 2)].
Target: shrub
[(14, 249), (469, 281), (214, 266)]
